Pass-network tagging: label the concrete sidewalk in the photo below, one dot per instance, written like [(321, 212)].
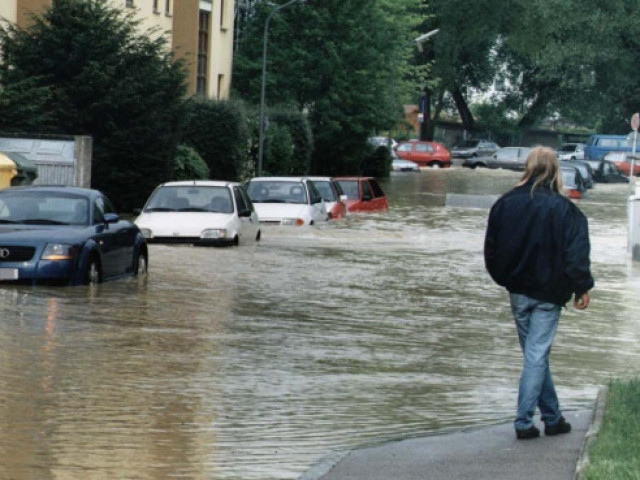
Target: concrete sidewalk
[(491, 453)]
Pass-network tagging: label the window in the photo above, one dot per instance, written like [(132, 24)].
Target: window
[(155, 6), (129, 3), (167, 8), (222, 5), (423, 147), (203, 58)]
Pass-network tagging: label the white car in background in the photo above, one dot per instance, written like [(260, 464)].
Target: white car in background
[(571, 151), (199, 212), (287, 201), (335, 201)]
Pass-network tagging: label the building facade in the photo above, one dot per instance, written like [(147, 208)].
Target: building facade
[(198, 31)]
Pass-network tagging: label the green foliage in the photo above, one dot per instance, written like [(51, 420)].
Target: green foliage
[(494, 117), (86, 66), (188, 165), (300, 138), (614, 453), (337, 68), (278, 152), (219, 132), (378, 164)]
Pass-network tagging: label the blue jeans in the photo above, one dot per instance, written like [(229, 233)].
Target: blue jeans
[(537, 323)]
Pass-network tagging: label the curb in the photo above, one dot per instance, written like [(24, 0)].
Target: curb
[(592, 433)]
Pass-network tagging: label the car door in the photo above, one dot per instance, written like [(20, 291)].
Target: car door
[(317, 203), (116, 240), (247, 216)]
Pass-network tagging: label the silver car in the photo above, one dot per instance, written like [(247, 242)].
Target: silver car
[(511, 158)]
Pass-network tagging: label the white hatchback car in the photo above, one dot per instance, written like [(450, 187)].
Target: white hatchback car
[(287, 201), (199, 212)]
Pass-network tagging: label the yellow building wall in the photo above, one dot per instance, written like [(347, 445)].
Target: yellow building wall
[(8, 10), (221, 49)]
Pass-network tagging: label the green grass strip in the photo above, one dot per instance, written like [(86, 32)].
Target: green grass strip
[(615, 452)]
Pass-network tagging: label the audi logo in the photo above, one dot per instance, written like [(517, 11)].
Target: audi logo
[(4, 253)]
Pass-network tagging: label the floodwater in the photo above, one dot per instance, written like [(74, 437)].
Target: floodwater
[(256, 362)]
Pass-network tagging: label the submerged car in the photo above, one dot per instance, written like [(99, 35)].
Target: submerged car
[(400, 165), (572, 182), (623, 162), (199, 212), (608, 173), (425, 154), (584, 168), (510, 158), (474, 148), (364, 194), (335, 200), (68, 235), (287, 201)]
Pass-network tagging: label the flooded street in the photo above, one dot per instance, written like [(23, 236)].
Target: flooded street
[(256, 362)]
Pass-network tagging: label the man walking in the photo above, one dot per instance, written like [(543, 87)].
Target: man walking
[(537, 247)]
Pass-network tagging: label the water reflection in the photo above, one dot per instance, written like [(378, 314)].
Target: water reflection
[(253, 363)]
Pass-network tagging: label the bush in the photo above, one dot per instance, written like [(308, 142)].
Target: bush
[(188, 165), (218, 131), (378, 164)]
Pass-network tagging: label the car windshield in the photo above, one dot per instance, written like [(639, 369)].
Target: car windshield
[(191, 198), (275, 191), (43, 208), (324, 187), (350, 188)]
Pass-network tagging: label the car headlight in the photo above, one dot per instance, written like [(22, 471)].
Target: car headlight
[(214, 233), (146, 232), (292, 221), (58, 251)]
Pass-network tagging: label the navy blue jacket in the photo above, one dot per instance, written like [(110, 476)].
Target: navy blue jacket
[(538, 245)]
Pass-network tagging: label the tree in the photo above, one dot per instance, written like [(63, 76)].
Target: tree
[(94, 74), (337, 69)]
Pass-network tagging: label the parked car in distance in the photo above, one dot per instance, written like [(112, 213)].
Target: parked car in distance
[(67, 235), (622, 161), (287, 201), (400, 165), (571, 151), (364, 194), (511, 158), (474, 148), (199, 212), (382, 142), (334, 198), (608, 173), (425, 154), (572, 182), (598, 145)]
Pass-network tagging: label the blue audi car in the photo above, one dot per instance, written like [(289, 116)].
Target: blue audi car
[(67, 235)]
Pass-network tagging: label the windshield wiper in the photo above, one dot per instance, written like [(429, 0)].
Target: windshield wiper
[(7, 221)]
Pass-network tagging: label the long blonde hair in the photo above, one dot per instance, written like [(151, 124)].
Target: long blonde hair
[(542, 166)]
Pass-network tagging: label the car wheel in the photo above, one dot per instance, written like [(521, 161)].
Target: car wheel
[(435, 165), (142, 265), (92, 273), (258, 236)]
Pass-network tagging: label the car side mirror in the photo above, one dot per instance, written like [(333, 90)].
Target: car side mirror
[(343, 198), (315, 200), (137, 211), (244, 213), (111, 218)]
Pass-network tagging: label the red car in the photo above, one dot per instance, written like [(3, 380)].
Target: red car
[(622, 160), (364, 194), (425, 154)]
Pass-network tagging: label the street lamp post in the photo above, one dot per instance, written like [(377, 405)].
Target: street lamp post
[(263, 84), (418, 43)]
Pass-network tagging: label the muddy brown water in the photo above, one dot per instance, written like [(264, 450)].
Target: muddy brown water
[(256, 362)]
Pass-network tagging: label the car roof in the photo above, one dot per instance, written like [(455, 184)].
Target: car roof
[(323, 179), (279, 179), (198, 183), (353, 178), (55, 188)]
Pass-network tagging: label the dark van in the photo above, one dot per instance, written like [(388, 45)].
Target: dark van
[(598, 145)]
